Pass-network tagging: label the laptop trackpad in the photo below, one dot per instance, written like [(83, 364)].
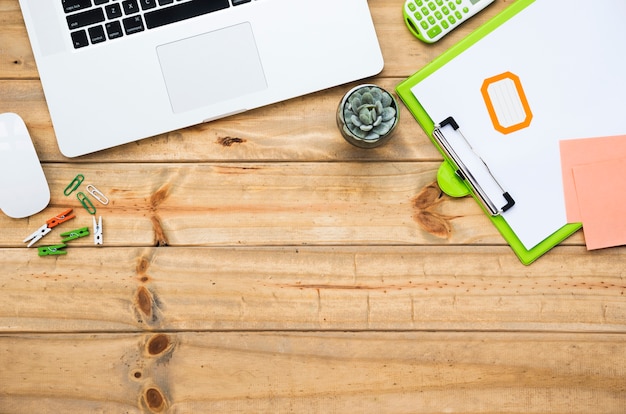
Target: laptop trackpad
[(211, 68)]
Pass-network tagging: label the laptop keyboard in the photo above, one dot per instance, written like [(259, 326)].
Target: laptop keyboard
[(95, 21)]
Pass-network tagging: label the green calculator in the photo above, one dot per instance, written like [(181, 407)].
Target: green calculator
[(430, 20)]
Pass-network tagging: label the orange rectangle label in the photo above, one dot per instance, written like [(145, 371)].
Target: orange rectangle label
[(506, 103)]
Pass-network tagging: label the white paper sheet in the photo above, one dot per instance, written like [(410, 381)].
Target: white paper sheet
[(570, 58)]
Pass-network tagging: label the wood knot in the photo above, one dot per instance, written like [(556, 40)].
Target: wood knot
[(160, 238), (428, 197), (154, 400), (430, 221), (229, 141), (142, 266), (143, 299), (159, 345), (147, 306), (159, 196)]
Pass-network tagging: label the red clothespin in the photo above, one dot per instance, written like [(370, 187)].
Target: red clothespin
[(47, 228), (61, 218)]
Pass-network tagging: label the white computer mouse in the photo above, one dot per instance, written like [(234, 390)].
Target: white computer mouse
[(24, 190)]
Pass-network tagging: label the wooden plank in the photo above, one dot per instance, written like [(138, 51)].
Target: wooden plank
[(16, 57), (301, 129), (390, 372), (387, 203), (305, 288)]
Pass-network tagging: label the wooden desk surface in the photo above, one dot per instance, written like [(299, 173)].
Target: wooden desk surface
[(261, 264)]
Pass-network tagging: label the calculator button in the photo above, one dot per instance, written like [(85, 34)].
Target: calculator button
[(465, 9), (458, 15), (425, 11), (432, 6), (420, 3), (451, 19), (439, 2), (459, 1), (424, 24), (418, 16), (444, 24), (431, 20), (412, 7), (434, 31), (438, 15), (452, 6), (445, 10)]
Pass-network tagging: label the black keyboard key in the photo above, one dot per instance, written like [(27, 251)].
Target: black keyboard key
[(130, 7), (113, 11), (238, 2), (147, 4), (96, 34), (86, 18), (133, 25), (79, 39), (164, 2), (183, 11), (114, 30), (98, 2), (74, 5)]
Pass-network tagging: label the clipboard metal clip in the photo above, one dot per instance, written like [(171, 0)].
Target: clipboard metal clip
[(490, 193)]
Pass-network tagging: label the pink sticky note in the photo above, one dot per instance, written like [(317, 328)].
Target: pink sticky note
[(601, 191), (585, 151)]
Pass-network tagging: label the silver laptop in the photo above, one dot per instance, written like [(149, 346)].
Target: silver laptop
[(116, 71)]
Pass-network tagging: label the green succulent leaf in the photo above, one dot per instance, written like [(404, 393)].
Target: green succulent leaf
[(369, 113), (388, 113), (386, 100), (368, 98), (365, 116)]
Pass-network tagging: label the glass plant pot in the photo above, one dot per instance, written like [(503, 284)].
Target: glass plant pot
[(367, 116)]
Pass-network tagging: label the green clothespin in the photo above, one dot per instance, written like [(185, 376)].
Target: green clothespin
[(75, 234), (55, 250)]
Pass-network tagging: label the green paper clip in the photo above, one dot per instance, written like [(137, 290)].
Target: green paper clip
[(55, 250), (75, 234), (86, 202), (74, 184)]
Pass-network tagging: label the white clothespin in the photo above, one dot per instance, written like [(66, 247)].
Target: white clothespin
[(38, 234), (97, 231), (47, 228)]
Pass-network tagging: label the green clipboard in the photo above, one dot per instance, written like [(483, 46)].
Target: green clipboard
[(447, 177)]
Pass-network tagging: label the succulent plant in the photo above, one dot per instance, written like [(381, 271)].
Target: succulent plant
[(369, 113)]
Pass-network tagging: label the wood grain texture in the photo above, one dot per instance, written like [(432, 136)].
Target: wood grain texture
[(306, 288), (248, 136), (366, 372), (260, 263), (381, 203)]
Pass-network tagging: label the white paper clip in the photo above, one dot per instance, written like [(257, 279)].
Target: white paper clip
[(97, 194)]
